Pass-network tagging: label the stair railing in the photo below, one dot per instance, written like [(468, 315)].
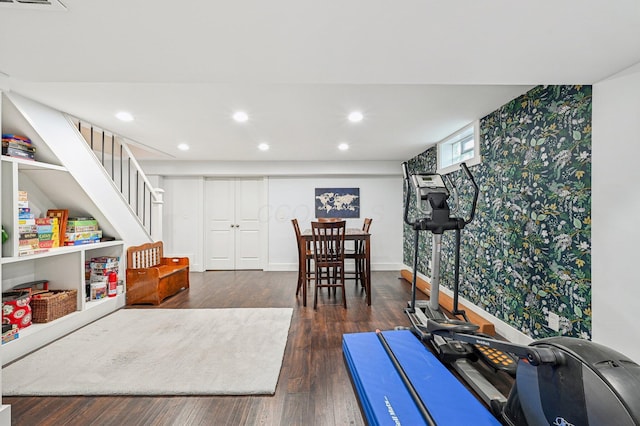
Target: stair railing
[(113, 152)]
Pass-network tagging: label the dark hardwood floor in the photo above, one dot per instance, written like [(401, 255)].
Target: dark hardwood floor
[(314, 387)]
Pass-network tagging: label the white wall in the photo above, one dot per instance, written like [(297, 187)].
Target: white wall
[(293, 197), (288, 197), (183, 220), (615, 202)]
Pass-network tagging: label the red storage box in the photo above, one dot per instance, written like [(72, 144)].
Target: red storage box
[(16, 308)]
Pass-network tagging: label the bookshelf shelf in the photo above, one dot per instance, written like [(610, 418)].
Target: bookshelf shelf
[(49, 185), (23, 164)]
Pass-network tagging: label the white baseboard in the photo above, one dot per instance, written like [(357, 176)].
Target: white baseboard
[(272, 267), (294, 267), (502, 328)]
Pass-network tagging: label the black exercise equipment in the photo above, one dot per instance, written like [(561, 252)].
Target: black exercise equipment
[(559, 381)]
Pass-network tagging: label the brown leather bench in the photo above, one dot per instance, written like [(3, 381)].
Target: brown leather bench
[(151, 277)]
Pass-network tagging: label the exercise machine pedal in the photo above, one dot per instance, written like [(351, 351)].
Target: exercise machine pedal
[(451, 350), (497, 359)]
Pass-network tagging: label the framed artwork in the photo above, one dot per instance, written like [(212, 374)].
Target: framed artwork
[(337, 202)]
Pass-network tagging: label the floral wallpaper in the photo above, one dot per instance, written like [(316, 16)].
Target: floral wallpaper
[(528, 251)]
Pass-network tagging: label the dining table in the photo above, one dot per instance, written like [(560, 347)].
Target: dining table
[(350, 234)]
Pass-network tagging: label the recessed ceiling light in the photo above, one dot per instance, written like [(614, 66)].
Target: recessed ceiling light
[(343, 146), (263, 147), (124, 116), (240, 116), (183, 147), (355, 117)]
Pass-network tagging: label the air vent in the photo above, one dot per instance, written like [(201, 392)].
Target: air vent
[(53, 5)]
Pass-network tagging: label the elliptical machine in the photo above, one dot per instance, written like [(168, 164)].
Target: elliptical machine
[(559, 381), (431, 200), (432, 196)]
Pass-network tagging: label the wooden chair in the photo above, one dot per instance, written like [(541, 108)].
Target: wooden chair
[(304, 255), (359, 256), (328, 256)]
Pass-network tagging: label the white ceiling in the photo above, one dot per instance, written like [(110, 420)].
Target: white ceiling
[(417, 69)]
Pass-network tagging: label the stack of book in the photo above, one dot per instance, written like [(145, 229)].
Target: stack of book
[(18, 146), (35, 234), (82, 230), (27, 229), (48, 230)]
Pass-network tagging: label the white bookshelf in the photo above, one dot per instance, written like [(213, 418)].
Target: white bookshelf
[(49, 185)]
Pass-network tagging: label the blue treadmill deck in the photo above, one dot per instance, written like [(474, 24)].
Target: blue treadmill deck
[(384, 397)]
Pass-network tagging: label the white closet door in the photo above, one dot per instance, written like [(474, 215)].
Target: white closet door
[(220, 224), (233, 227), (247, 223)]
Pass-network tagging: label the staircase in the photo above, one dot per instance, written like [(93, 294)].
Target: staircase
[(119, 194), (117, 159)]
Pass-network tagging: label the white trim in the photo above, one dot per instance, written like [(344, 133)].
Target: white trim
[(505, 330), (292, 267), (476, 159)]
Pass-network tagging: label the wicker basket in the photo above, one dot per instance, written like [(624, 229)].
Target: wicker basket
[(53, 305)]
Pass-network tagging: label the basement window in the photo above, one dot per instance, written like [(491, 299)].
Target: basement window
[(462, 146)]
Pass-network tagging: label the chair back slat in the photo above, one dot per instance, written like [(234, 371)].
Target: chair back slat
[(328, 242), (296, 228), (366, 225)]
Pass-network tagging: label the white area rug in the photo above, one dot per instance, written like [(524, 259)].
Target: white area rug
[(160, 352)]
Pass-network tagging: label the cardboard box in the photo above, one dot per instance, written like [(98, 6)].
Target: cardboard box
[(11, 334), (43, 229), (46, 244), (81, 221), (82, 225), (81, 242), (75, 236), (27, 229), (46, 220)]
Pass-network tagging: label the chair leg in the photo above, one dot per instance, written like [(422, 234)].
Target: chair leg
[(318, 280), (299, 282), (344, 290), (361, 273)]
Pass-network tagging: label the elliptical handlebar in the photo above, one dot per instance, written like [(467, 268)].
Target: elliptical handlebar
[(476, 191), (405, 173)]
